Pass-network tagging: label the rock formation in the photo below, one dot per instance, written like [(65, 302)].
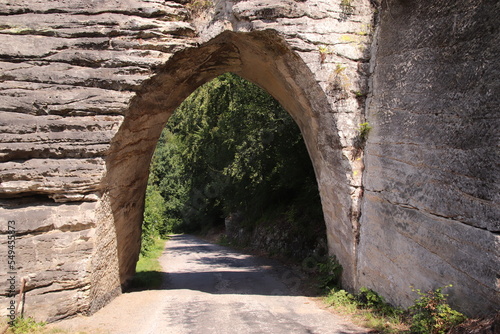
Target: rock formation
[(87, 86)]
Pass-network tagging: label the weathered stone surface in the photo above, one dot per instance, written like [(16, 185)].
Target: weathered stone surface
[(53, 251), (155, 8), (123, 78), (430, 215), (65, 100), (27, 137), (100, 25), (86, 87), (59, 179), (280, 238)]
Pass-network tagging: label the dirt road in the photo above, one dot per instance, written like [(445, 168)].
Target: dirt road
[(212, 289)]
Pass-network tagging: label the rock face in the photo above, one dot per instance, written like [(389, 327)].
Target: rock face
[(86, 87), (431, 206)]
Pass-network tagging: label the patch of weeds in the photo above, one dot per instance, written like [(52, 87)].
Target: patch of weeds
[(329, 273), (26, 325), (379, 308), (368, 309), (431, 314), (148, 271), (342, 299), (360, 140), (364, 129)]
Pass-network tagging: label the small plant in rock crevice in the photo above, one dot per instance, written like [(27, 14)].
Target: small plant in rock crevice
[(360, 140), (364, 129), (359, 94), (324, 51)]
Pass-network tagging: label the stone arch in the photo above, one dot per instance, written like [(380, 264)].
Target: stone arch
[(262, 58), (418, 205)]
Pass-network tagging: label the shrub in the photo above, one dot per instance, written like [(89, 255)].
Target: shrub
[(431, 314), (372, 300), (343, 299), (330, 272)]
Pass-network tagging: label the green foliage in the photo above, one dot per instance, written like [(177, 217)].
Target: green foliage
[(370, 298), (364, 129), (431, 314), (369, 309), (154, 219), (343, 299), (226, 149), (26, 325), (330, 272), (377, 304)]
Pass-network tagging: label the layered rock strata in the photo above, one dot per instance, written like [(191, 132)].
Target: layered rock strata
[(86, 87)]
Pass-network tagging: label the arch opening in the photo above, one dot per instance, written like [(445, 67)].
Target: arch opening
[(262, 58), (232, 162)]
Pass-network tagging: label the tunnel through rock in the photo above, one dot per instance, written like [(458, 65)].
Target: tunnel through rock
[(232, 162), (83, 106), (259, 57)]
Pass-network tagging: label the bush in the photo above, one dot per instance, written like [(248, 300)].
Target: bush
[(372, 300), (330, 272), (343, 299), (431, 314)]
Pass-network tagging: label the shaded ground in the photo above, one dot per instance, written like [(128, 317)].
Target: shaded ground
[(211, 289)]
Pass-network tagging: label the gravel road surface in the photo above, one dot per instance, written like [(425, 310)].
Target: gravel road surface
[(212, 289)]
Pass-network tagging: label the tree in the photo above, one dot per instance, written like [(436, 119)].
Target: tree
[(230, 147)]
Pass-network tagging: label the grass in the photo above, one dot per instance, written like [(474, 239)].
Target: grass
[(430, 314), (367, 309), (24, 325), (148, 274), (28, 325)]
